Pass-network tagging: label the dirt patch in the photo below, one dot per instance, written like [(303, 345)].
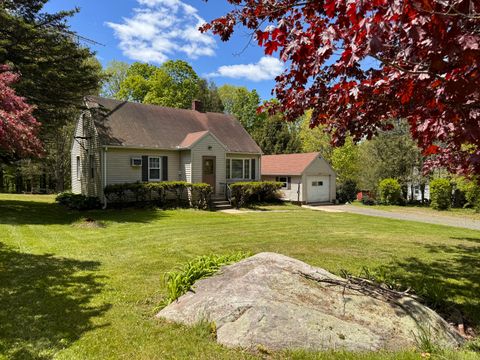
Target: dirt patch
[(89, 223)]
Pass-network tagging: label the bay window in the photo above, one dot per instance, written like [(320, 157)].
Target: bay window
[(240, 169)]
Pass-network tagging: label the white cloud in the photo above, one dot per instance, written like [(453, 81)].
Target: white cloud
[(267, 68), (161, 28)]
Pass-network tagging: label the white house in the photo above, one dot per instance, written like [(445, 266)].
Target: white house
[(123, 142), (306, 178)]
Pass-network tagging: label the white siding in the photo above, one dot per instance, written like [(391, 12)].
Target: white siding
[(320, 167), (186, 165), (86, 146), (209, 146), (120, 171), (295, 193)]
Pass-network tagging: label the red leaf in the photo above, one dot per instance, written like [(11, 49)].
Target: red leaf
[(431, 150), (329, 8)]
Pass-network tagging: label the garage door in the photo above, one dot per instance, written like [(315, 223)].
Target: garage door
[(318, 188)]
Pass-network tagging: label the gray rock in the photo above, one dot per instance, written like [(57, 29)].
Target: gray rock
[(266, 300)]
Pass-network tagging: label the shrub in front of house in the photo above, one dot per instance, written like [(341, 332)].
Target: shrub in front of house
[(390, 192), (165, 194), (245, 193), (347, 191), (440, 194), (78, 201)]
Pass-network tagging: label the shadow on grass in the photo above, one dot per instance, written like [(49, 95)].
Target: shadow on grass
[(45, 303), (19, 212), (449, 284)]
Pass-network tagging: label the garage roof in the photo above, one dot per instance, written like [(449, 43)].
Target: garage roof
[(287, 164)]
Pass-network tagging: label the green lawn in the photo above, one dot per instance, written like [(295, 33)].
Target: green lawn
[(90, 293), (424, 210)]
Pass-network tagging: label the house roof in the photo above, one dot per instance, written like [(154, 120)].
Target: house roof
[(128, 124), (287, 164), (192, 138)]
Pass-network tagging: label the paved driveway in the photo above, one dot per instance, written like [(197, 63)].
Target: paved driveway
[(437, 219)]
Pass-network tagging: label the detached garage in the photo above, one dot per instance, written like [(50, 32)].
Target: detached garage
[(306, 178)]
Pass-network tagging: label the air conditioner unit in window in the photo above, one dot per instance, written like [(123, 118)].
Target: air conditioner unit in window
[(136, 161)]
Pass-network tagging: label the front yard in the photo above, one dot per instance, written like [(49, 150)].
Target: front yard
[(85, 292), (425, 210)]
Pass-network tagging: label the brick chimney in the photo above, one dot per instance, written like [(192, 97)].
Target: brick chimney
[(197, 105)]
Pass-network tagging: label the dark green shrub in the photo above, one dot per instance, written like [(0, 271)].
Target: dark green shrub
[(347, 191), (367, 200), (440, 194), (200, 196), (244, 193), (165, 193), (78, 201), (390, 192)]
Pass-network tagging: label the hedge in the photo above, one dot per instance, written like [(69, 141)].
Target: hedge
[(440, 194), (244, 193), (165, 193), (347, 191), (390, 192), (78, 201)]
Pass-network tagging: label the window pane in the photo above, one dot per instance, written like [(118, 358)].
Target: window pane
[(154, 163), (284, 181), (247, 169), (228, 168), (237, 168), (155, 174)]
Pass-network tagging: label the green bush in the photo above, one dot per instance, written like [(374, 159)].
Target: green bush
[(367, 200), (440, 194), (244, 193), (165, 193), (200, 196), (390, 192), (78, 201), (179, 282), (471, 191), (347, 191)]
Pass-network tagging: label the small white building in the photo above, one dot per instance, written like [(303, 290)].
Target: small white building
[(306, 178)]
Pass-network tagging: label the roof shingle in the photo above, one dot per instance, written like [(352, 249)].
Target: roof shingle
[(287, 164), (130, 124)]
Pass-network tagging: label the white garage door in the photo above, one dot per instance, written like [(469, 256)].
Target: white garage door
[(318, 188)]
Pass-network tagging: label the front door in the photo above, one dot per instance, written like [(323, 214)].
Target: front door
[(208, 170)]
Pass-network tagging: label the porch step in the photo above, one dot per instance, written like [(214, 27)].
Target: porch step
[(221, 205)]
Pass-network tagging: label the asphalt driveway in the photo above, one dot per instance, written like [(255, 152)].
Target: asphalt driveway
[(456, 221)]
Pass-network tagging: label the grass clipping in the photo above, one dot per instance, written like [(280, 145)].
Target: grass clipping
[(181, 281)]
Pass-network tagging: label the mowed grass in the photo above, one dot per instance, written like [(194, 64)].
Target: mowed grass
[(68, 292), (425, 210)]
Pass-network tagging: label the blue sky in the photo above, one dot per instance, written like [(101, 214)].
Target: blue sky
[(156, 30)]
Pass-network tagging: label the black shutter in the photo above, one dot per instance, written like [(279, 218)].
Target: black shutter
[(144, 168), (253, 169), (289, 185), (164, 168)]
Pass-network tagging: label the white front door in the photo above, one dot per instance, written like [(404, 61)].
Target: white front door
[(318, 188)]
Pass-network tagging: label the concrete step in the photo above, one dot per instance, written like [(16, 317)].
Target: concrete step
[(221, 205)]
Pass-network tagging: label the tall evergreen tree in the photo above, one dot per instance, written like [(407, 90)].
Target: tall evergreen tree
[(57, 72)]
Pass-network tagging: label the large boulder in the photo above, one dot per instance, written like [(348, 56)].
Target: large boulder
[(277, 302)]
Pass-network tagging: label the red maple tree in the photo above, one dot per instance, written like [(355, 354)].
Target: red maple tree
[(18, 127), (360, 64)]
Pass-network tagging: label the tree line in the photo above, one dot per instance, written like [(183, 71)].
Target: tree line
[(53, 69)]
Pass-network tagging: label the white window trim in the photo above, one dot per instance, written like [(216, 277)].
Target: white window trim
[(243, 168), (159, 168)]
